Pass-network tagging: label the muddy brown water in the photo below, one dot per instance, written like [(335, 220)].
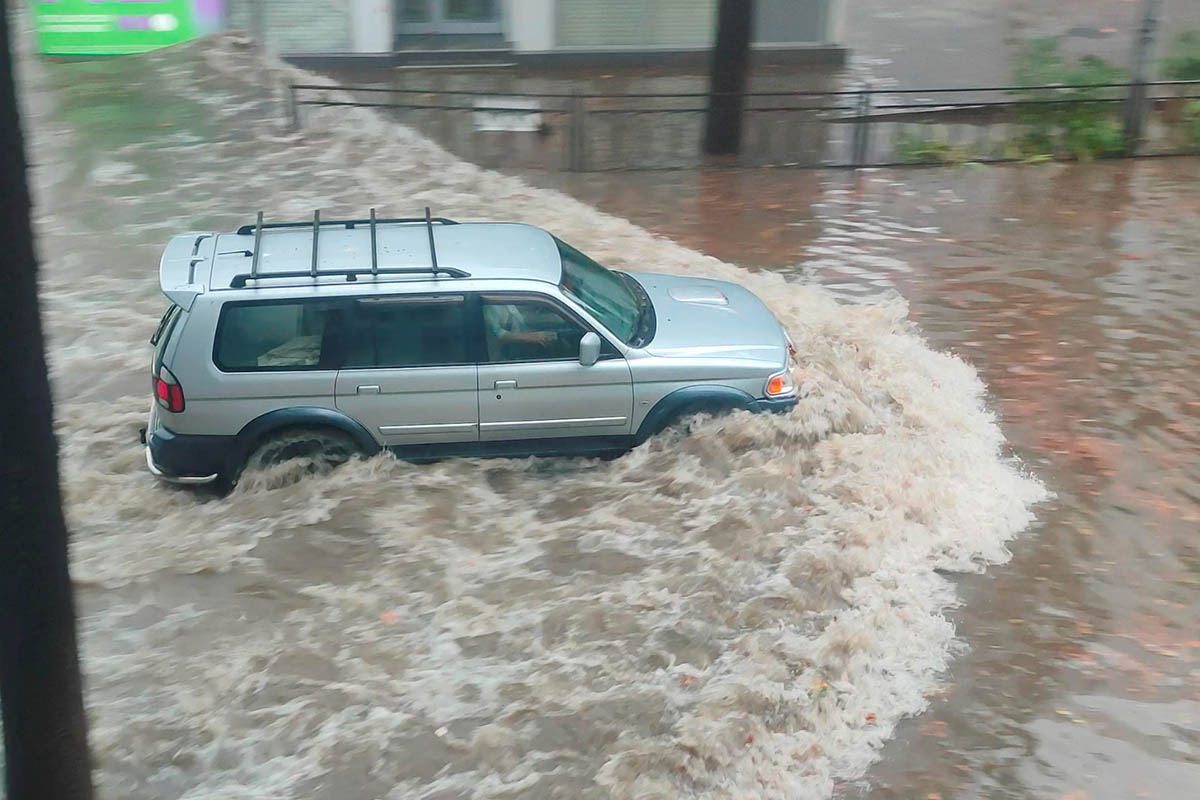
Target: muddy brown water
[(1074, 290), (750, 611)]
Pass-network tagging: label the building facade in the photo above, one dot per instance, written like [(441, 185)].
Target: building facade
[(399, 29)]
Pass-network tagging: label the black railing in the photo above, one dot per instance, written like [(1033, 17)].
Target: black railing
[(863, 127)]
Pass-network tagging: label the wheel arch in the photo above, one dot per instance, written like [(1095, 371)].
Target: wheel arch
[(691, 400), (253, 432)]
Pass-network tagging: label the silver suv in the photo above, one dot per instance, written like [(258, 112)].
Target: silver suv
[(326, 339)]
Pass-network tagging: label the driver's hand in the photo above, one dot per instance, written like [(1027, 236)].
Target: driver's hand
[(544, 337)]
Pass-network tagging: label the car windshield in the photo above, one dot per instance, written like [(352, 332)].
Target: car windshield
[(602, 292)]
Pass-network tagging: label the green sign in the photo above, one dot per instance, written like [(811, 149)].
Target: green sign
[(97, 27)]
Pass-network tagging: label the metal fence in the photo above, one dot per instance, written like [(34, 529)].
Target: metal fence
[(851, 128)]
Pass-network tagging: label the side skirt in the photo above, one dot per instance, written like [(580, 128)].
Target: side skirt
[(517, 448)]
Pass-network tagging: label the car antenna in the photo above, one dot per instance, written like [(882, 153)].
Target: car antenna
[(316, 233), (374, 252), (432, 248), (257, 239)]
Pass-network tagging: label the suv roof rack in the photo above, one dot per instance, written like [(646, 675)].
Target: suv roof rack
[(349, 224), (351, 275)]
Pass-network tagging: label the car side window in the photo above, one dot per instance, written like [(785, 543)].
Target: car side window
[(274, 336), (528, 329), (407, 331)]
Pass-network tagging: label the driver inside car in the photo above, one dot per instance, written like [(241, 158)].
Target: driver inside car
[(509, 331)]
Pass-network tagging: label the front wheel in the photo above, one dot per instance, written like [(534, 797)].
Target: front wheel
[(684, 420), (313, 451)]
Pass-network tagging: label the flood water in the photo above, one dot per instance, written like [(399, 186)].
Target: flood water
[(1073, 290), (754, 610)]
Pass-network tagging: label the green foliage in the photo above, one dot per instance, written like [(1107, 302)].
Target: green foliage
[(1042, 64), (912, 147), (1191, 123), (1079, 129), (1183, 61), (1088, 135)]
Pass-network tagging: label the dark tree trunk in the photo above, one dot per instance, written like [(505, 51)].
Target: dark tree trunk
[(45, 733), (729, 69)]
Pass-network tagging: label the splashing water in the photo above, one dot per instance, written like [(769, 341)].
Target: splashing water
[(746, 610)]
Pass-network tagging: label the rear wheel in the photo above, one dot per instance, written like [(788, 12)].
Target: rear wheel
[(315, 451)]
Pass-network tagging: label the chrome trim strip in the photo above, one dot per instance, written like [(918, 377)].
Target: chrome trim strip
[(182, 479), (438, 427), (553, 423)]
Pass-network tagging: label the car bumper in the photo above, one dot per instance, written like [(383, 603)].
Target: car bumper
[(157, 472), (774, 405), (186, 459)]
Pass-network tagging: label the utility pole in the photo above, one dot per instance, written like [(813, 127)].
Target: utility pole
[(1140, 73), (728, 73), (45, 731)]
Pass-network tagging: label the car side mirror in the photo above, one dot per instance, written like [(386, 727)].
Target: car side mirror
[(589, 349)]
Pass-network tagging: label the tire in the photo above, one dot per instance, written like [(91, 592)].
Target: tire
[(320, 450)]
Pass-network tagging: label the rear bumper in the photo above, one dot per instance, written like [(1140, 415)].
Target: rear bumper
[(187, 459), (183, 479), (774, 405)]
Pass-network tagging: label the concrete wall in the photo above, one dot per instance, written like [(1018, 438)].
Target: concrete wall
[(837, 21), (536, 26), (372, 26), (793, 21), (587, 24), (529, 24), (313, 26)]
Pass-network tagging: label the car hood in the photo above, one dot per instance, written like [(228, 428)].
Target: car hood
[(698, 317)]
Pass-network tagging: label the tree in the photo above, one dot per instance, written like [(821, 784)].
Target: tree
[(45, 732), (728, 71)]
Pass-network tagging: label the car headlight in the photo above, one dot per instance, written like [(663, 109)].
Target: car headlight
[(781, 384)]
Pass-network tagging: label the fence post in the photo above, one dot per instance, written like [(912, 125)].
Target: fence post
[(862, 129), (577, 134), (293, 111), (1136, 107)]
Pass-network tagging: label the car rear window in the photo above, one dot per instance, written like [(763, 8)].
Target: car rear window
[(274, 336), (162, 334)]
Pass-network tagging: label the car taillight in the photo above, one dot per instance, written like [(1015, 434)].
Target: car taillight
[(167, 391)]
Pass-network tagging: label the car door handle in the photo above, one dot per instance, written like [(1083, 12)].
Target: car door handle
[(367, 390), (506, 384)]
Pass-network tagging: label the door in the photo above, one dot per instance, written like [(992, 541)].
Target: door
[(270, 354), (450, 16), (409, 375), (531, 384)]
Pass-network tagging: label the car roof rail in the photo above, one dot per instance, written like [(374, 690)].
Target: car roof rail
[(239, 281), (254, 256), (351, 275), (349, 224)]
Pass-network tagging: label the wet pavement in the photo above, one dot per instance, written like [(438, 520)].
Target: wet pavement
[(974, 42), (1074, 290)]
